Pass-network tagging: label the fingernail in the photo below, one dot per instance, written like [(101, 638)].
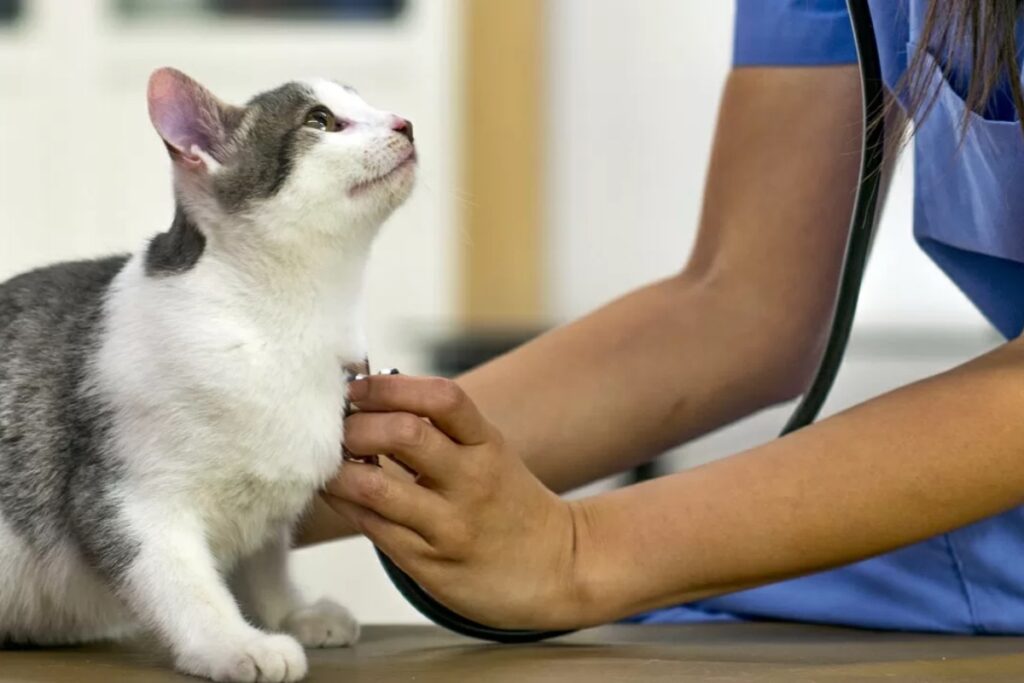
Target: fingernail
[(358, 389), (360, 459)]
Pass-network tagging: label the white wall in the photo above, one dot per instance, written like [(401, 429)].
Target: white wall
[(633, 93)]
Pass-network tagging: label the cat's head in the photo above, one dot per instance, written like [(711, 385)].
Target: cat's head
[(309, 156)]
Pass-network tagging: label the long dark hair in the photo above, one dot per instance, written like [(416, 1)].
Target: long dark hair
[(977, 34)]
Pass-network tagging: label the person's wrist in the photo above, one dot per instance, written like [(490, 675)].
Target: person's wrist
[(601, 593), (322, 524), (581, 606), (559, 599)]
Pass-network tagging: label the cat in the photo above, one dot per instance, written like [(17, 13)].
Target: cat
[(167, 417)]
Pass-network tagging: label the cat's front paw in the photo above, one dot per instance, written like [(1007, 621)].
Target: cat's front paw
[(260, 658), (323, 624)]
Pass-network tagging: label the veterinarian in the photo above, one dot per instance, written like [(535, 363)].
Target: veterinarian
[(901, 513)]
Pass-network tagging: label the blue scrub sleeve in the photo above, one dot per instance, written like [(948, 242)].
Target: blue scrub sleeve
[(792, 33)]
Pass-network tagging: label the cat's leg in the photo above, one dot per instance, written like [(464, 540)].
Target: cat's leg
[(268, 596), (172, 583)]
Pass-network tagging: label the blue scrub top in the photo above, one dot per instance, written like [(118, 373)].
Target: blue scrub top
[(969, 219)]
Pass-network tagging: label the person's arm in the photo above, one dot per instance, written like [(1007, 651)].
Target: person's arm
[(740, 328), (483, 536), (920, 461)]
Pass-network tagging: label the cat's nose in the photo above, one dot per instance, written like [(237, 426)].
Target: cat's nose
[(404, 127)]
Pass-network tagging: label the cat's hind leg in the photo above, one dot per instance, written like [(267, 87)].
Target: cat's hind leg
[(49, 597), (267, 594)]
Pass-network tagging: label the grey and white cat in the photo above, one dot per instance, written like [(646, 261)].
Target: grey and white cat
[(167, 417)]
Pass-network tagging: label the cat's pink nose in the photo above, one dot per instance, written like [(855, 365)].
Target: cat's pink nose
[(404, 127)]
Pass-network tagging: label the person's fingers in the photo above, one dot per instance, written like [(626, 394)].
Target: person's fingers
[(399, 501), (415, 442), (393, 539), (441, 400)]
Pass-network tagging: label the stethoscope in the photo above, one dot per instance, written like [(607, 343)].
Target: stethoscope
[(862, 227)]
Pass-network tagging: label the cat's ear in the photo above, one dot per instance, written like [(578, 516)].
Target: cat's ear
[(191, 120)]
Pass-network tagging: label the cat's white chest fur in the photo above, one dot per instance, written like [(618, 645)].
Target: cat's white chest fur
[(229, 405)]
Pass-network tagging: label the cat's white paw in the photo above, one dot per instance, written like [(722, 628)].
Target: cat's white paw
[(323, 624), (257, 659)]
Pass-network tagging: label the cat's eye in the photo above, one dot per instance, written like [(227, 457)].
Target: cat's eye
[(322, 119)]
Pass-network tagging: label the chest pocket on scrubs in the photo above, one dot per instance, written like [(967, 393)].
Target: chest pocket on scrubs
[(969, 213)]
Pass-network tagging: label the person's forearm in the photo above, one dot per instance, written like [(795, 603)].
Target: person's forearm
[(651, 370), (920, 461)]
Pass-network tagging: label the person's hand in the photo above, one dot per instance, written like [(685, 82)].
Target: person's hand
[(474, 527)]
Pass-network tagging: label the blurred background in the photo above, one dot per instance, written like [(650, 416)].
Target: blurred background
[(563, 146)]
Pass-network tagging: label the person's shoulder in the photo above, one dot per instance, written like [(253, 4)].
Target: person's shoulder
[(792, 33)]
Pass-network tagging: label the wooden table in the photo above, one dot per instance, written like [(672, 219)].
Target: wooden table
[(714, 652)]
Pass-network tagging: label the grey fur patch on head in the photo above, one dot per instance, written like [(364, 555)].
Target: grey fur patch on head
[(267, 142), (263, 141), (56, 481), (176, 250)]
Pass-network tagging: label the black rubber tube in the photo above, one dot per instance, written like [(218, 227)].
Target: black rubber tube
[(862, 227), (862, 224)]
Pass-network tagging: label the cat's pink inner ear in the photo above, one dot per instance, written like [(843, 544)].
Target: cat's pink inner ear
[(184, 113)]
